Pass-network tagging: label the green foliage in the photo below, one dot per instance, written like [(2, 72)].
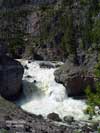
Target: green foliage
[(97, 70), (67, 40), (3, 131), (84, 2), (99, 130), (65, 23), (93, 99), (62, 23), (96, 33), (89, 110), (76, 131), (90, 29)]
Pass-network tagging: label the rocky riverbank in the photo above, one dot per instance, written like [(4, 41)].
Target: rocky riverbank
[(13, 119)]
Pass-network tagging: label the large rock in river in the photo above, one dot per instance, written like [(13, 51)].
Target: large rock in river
[(77, 77), (11, 72)]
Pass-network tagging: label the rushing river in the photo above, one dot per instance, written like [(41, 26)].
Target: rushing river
[(43, 95)]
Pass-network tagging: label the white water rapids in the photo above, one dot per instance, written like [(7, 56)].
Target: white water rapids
[(43, 95)]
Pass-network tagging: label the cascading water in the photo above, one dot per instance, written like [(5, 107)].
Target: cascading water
[(43, 95)]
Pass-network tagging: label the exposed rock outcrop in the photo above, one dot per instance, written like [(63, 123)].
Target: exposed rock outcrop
[(77, 77), (46, 53), (11, 73)]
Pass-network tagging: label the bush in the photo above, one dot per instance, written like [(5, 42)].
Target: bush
[(93, 99)]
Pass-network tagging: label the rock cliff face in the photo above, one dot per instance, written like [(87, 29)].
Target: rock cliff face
[(49, 29), (11, 73)]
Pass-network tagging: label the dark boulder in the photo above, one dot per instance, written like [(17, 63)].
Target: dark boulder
[(46, 65), (28, 76), (68, 119), (11, 72), (3, 48), (26, 67), (37, 56), (54, 117), (40, 117)]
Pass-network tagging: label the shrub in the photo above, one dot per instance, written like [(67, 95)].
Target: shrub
[(93, 99)]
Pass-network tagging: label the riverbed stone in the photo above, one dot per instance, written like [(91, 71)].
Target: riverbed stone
[(54, 116), (68, 119)]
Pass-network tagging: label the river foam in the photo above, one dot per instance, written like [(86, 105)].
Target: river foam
[(43, 95)]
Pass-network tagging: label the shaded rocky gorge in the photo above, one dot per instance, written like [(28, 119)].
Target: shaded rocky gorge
[(42, 34)]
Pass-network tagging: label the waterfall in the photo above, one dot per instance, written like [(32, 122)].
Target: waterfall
[(43, 95)]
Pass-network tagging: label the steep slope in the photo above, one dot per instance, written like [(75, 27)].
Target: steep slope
[(50, 30)]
